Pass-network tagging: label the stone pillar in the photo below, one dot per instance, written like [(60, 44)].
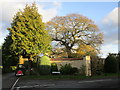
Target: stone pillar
[(88, 65)]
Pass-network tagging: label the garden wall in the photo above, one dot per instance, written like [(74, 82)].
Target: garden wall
[(75, 62)]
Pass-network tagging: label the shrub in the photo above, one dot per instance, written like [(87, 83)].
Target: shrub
[(54, 67), (44, 69), (13, 68), (67, 69), (110, 64), (74, 70), (82, 70), (44, 66), (26, 64), (44, 60), (97, 65), (7, 70)]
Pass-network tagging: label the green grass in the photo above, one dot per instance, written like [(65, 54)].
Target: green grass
[(69, 77)]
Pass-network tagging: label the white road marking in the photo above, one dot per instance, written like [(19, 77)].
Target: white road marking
[(14, 84), (45, 85), (17, 88), (95, 81)]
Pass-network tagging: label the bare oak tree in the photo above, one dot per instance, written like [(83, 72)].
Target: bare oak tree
[(73, 30)]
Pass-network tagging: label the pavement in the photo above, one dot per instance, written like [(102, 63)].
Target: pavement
[(96, 83)]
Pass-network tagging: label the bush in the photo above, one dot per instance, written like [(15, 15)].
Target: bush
[(110, 64), (82, 70), (67, 69), (54, 67), (44, 60), (74, 70), (13, 68), (44, 69), (7, 70), (44, 65), (26, 64)]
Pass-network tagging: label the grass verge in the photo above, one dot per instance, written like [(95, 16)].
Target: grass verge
[(70, 77)]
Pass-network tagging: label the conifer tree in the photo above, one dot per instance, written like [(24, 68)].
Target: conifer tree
[(28, 32), (8, 57)]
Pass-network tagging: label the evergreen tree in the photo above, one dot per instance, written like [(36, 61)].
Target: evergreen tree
[(8, 57), (28, 32), (110, 64)]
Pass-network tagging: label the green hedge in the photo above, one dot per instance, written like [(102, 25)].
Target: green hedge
[(110, 64), (44, 69), (54, 67), (7, 70), (45, 60), (44, 66)]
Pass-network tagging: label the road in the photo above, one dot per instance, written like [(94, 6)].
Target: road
[(8, 80), (96, 83)]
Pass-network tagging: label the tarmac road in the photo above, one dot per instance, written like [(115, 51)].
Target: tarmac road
[(8, 80), (96, 83)]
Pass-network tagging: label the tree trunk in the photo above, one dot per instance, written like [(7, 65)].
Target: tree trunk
[(69, 53)]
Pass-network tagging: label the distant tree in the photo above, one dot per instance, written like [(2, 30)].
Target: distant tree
[(110, 64), (74, 30), (28, 32)]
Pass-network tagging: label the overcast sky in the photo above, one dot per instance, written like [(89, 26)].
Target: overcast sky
[(104, 14)]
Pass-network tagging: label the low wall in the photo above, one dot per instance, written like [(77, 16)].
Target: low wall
[(75, 62)]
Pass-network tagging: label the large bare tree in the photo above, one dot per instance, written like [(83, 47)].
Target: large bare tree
[(73, 30)]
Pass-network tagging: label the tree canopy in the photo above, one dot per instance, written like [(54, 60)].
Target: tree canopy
[(84, 50), (28, 32), (8, 57), (74, 30)]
